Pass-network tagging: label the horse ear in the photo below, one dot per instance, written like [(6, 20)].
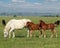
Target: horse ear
[(27, 22)]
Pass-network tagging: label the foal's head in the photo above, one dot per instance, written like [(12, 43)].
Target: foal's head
[(29, 24), (42, 22)]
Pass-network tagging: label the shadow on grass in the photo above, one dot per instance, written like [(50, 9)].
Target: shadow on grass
[(20, 36)]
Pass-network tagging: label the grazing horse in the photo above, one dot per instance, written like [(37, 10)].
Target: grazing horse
[(3, 22), (31, 26), (50, 26), (14, 24)]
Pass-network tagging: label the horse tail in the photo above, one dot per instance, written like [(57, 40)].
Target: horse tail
[(57, 23), (3, 22)]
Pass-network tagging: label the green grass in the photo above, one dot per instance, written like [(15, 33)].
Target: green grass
[(21, 41)]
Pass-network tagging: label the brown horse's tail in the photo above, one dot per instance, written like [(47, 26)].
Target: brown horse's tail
[(57, 23), (3, 22)]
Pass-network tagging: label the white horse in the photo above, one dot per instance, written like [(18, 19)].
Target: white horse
[(15, 24)]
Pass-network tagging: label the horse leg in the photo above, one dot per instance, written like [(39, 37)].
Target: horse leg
[(28, 33), (51, 36), (10, 32), (44, 33), (13, 34), (40, 33), (53, 33)]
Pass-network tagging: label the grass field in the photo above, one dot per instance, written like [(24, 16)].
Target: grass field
[(21, 41)]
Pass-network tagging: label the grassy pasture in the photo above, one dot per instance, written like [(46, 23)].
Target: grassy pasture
[(21, 41)]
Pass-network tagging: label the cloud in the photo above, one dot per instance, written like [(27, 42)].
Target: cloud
[(36, 3), (18, 0), (23, 6), (52, 0)]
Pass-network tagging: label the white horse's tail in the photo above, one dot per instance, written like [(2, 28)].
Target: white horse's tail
[(3, 22)]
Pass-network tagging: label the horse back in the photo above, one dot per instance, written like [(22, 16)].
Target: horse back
[(51, 25), (35, 27)]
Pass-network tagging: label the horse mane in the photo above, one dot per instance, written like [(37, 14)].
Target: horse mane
[(30, 22), (41, 21)]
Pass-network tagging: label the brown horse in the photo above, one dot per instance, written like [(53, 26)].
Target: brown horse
[(50, 26), (31, 26)]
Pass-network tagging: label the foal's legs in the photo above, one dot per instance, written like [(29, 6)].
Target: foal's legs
[(30, 33), (53, 33), (52, 30), (44, 33), (40, 33)]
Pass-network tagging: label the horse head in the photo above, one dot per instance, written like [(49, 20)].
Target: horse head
[(29, 24), (5, 33), (42, 22)]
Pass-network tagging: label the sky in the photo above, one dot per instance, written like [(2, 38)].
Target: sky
[(40, 6)]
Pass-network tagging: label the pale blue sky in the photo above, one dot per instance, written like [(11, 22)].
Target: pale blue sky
[(42, 6)]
